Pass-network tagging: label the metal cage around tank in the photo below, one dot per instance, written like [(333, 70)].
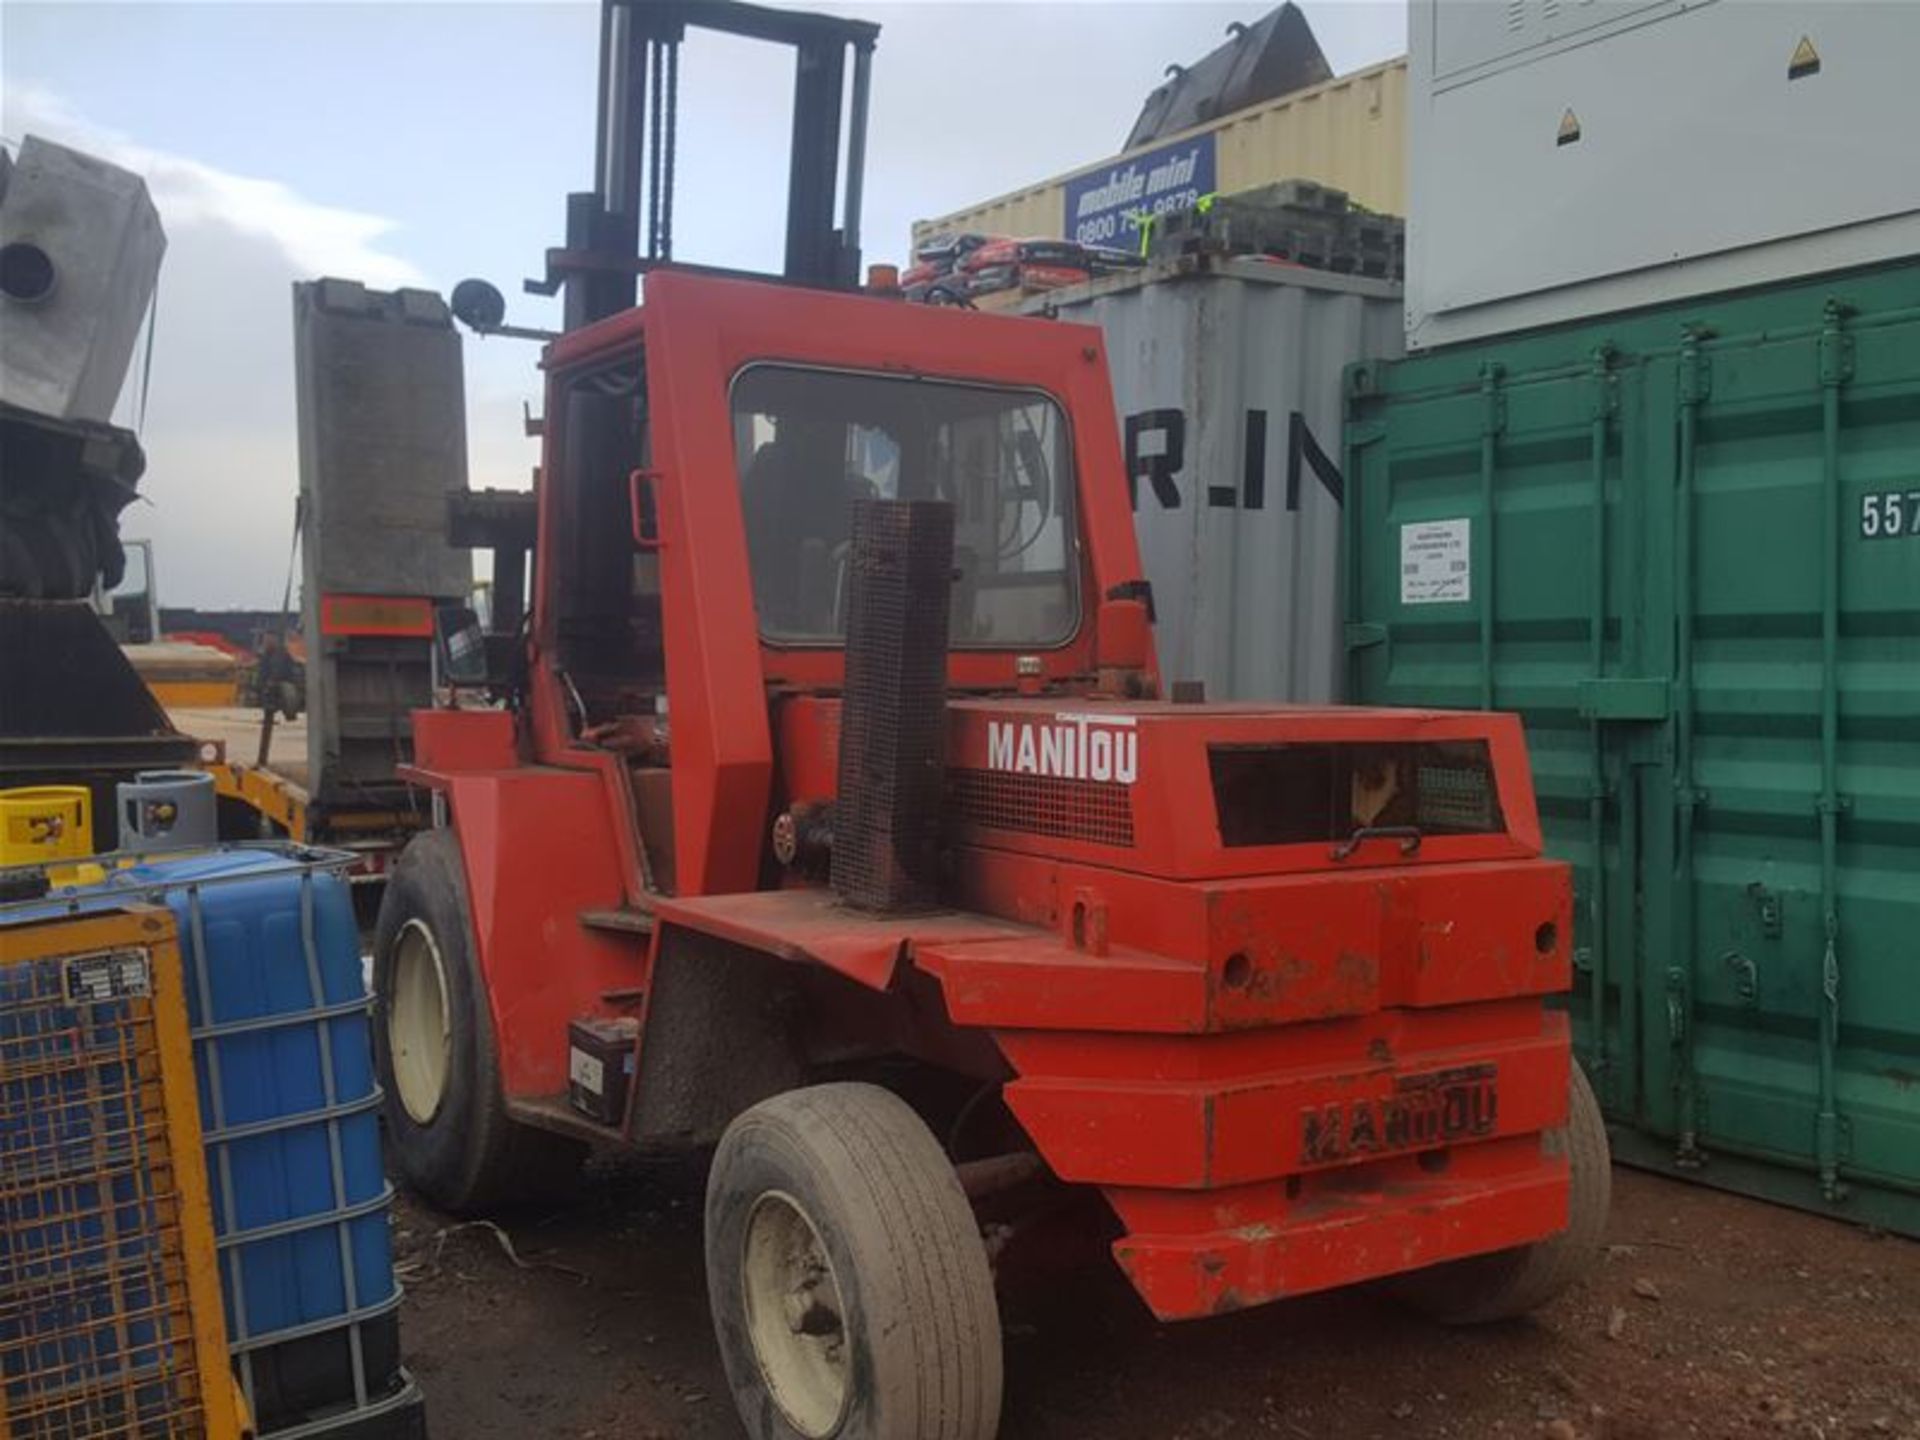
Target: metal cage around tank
[(110, 1318), (289, 1109)]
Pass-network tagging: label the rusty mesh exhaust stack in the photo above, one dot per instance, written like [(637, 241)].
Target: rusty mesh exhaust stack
[(893, 716)]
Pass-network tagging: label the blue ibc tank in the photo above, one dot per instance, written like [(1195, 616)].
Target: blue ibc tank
[(290, 1109)]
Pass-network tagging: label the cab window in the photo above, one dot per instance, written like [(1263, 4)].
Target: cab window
[(810, 442)]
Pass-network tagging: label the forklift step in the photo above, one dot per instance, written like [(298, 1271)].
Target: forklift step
[(624, 920), (556, 1113)]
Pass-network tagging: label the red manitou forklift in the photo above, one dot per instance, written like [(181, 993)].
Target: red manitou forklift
[(834, 817)]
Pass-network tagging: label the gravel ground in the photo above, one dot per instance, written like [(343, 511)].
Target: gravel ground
[(1711, 1316)]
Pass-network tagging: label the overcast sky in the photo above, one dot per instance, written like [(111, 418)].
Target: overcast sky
[(420, 143)]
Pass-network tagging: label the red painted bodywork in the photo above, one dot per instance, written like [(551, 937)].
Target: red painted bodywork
[(1286, 1068)]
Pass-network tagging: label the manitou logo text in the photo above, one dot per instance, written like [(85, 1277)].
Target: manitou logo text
[(1422, 1111), (1073, 747)]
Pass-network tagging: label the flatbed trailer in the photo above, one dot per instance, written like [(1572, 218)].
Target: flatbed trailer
[(269, 797), (376, 562)]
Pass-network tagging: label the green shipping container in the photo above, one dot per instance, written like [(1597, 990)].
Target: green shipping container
[(1684, 544)]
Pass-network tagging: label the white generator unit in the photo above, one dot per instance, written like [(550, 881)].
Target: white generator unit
[(80, 248), (1569, 158)]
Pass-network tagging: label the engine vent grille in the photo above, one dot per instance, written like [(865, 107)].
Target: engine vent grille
[(1101, 814), (1456, 799), (1293, 794)]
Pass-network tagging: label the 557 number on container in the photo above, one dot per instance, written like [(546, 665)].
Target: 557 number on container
[(1890, 514)]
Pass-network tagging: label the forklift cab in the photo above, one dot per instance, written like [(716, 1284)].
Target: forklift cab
[(807, 442), (703, 454)]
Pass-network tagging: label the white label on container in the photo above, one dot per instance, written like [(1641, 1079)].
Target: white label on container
[(588, 1071), (1436, 562)]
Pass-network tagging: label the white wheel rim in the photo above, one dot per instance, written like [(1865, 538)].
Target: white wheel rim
[(796, 1319), (419, 1033)]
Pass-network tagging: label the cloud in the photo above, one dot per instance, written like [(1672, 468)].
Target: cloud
[(315, 238)]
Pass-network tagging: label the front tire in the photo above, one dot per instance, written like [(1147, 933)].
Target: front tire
[(1509, 1283), (851, 1294), (449, 1136)]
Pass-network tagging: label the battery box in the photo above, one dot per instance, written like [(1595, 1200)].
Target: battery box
[(600, 1067)]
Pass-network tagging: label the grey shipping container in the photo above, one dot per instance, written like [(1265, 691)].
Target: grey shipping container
[(1685, 546), (382, 414), (1227, 382)]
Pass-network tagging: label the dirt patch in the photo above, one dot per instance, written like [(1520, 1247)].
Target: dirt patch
[(1711, 1316)]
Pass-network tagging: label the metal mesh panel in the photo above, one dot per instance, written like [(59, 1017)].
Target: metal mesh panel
[(893, 718), (96, 1331), (1456, 797), (1043, 805)]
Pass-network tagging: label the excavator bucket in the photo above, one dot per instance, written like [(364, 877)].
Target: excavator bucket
[(1274, 56)]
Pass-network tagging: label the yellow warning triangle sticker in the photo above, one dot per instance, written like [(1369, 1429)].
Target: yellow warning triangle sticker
[(1805, 61), (1569, 128)]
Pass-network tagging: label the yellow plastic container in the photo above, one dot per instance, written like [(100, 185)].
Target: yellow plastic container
[(40, 824)]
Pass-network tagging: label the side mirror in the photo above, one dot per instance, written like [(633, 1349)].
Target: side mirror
[(460, 645), (483, 309), (479, 305)]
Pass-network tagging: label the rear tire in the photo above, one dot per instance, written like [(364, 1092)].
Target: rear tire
[(448, 1132), (850, 1290), (1512, 1282)]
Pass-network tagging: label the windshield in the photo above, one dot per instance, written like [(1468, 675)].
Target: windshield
[(809, 442)]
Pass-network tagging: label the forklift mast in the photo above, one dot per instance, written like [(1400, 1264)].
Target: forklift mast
[(635, 145)]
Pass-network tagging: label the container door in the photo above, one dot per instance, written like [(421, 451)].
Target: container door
[(1785, 895), (1502, 557), (1693, 566)]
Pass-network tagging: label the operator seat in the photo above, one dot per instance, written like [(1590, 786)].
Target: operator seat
[(798, 520)]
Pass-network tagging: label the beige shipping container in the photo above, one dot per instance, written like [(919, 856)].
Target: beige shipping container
[(1349, 132)]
